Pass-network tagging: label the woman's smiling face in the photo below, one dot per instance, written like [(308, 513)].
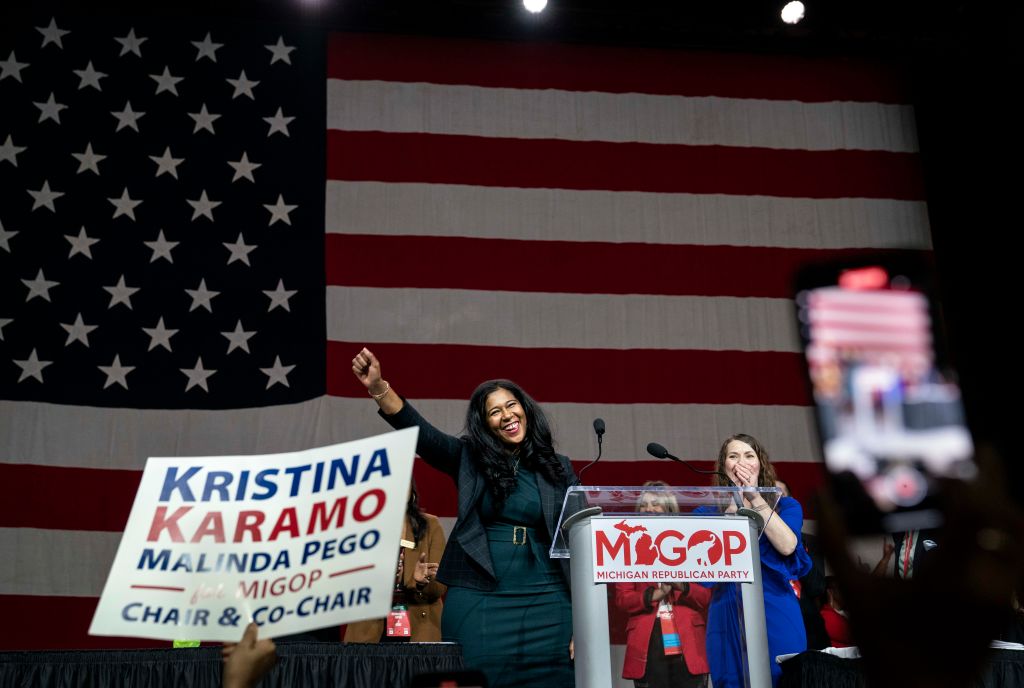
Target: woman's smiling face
[(505, 416), (741, 454)]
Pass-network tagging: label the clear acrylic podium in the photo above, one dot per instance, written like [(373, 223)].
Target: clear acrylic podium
[(587, 510)]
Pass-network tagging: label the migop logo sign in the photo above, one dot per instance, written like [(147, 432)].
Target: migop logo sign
[(670, 548)]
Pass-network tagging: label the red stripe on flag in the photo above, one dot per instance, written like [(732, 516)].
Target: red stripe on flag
[(609, 376), (601, 165), (436, 490), (610, 69), (571, 267), (54, 497), (58, 623)]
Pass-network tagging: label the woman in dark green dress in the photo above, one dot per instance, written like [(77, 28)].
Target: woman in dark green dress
[(508, 603)]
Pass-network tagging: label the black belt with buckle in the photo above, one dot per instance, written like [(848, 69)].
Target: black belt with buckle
[(521, 535)]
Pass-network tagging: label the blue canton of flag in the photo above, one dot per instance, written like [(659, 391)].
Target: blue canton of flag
[(161, 231)]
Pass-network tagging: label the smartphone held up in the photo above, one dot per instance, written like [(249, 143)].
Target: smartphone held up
[(888, 408)]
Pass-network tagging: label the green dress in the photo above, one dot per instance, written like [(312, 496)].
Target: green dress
[(518, 634)]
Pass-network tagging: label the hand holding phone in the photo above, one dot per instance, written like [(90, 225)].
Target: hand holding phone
[(889, 412), (934, 629)]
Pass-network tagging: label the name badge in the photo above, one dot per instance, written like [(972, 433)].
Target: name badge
[(398, 622), (669, 634)]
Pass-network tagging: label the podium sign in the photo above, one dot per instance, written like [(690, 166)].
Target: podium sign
[(671, 549), (702, 535)]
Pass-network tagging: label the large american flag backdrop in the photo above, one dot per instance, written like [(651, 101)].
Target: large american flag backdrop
[(201, 225)]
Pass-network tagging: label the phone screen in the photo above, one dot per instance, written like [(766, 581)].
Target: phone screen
[(889, 412)]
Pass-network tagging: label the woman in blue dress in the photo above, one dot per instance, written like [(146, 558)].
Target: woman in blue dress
[(783, 559), (508, 602)]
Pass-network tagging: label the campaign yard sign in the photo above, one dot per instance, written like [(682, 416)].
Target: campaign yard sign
[(668, 549), (293, 541)]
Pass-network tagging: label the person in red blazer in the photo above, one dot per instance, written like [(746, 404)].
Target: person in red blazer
[(646, 661), (836, 625)]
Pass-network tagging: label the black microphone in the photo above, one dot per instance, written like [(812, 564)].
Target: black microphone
[(599, 430), (659, 452)]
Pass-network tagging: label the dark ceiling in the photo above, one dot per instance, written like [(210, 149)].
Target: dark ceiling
[(830, 26)]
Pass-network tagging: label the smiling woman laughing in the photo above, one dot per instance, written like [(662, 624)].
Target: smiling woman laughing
[(508, 603)]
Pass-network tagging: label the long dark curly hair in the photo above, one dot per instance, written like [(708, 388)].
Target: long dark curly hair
[(765, 476), (494, 458), (417, 522)]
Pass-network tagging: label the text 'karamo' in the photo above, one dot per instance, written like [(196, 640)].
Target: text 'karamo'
[(254, 526)]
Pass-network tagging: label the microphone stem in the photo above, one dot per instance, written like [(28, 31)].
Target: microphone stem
[(600, 440)]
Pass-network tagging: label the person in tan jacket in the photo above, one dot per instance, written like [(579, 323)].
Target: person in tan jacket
[(417, 587)]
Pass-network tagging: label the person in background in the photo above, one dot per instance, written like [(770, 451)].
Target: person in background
[(914, 549), (810, 589), (665, 633), (934, 629), (884, 565), (1013, 631), (744, 462), (417, 591), (834, 616), (508, 602)]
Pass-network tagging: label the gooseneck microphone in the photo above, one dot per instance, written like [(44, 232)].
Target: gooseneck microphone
[(659, 452), (599, 431)]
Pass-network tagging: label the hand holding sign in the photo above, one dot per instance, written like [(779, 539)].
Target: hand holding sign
[(248, 661)]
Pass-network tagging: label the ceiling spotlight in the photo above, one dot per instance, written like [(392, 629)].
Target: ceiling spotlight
[(793, 12), (535, 6)]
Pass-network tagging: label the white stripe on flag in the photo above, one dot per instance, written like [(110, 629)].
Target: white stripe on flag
[(380, 208), (541, 320), (55, 562), (124, 438), (619, 117)]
